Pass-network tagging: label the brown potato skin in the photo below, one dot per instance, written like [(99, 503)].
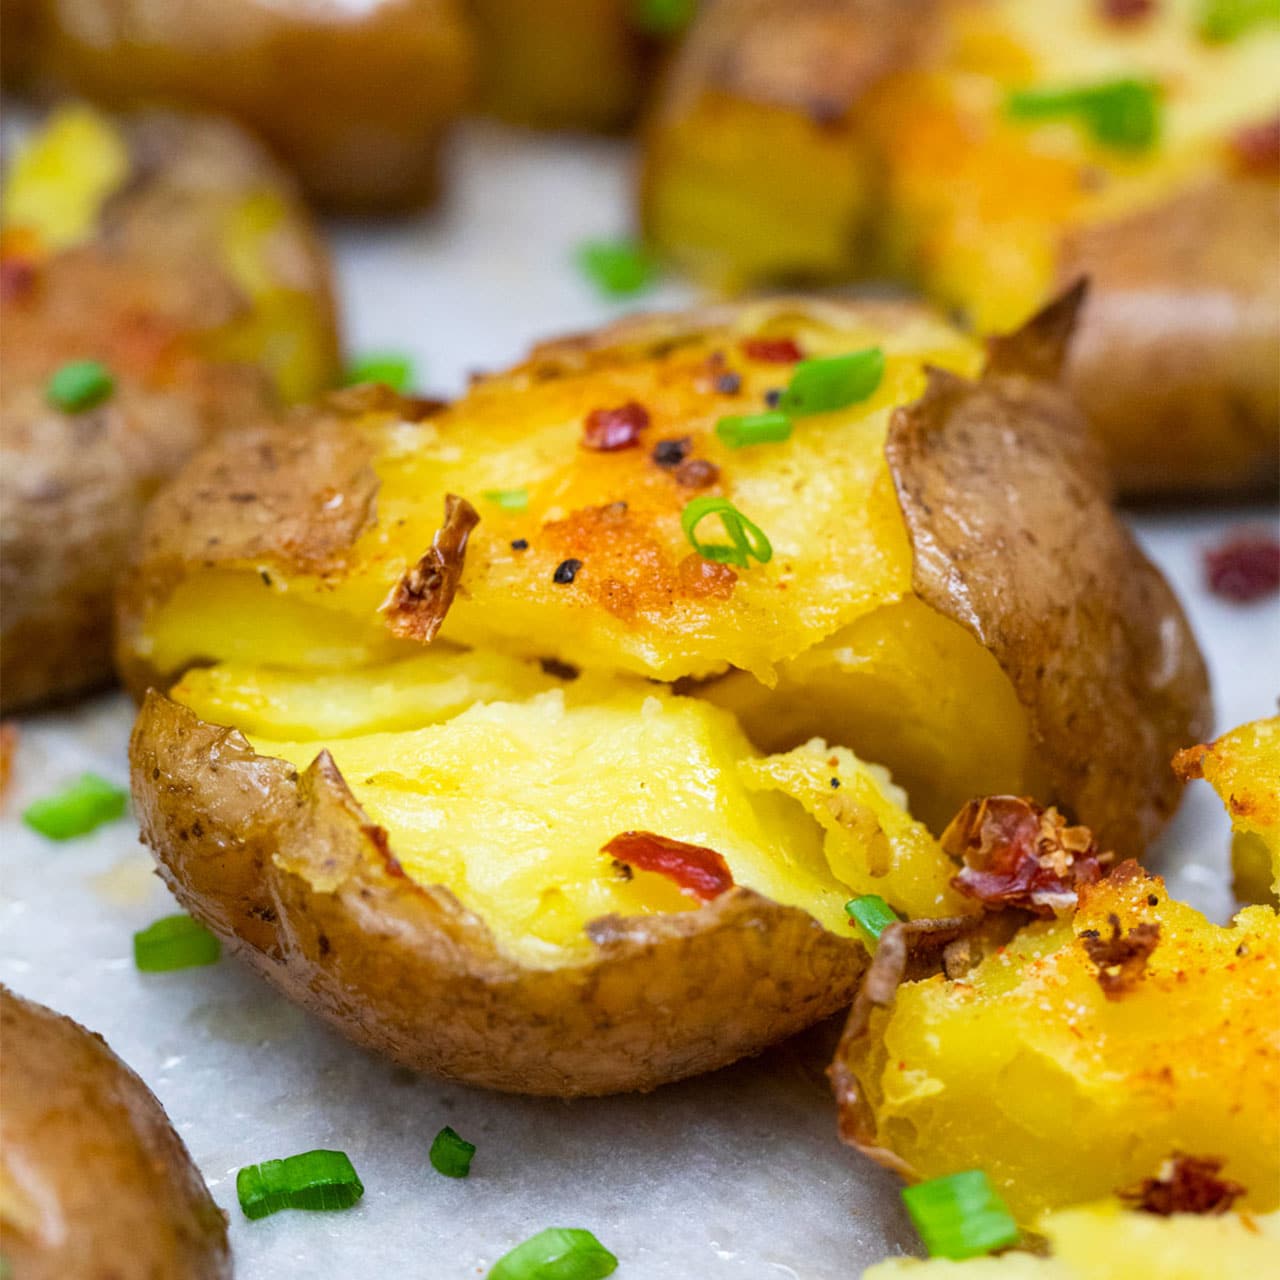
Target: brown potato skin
[(291, 873), (94, 1182), (356, 105), (73, 486)]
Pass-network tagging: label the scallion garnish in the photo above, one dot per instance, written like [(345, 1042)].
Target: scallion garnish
[(960, 1216), (451, 1154), (832, 382), (508, 499), (391, 368), (312, 1180), (77, 809), (742, 429), (871, 913), (1222, 20), (618, 268), (174, 942), (1118, 113), (746, 539), (80, 385), (558, 1253), (663, 17)]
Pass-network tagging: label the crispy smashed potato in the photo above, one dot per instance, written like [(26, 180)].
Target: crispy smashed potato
[(355, 99), (176, 256), (950, 153), (93, 1179), (1243, 767)]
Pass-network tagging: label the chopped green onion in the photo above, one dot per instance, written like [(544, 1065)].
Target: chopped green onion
[(391, 368), (558, 1253), (832, 382), (740, 430), (960, 1216), (1222, 20), (508, 499), (663, 17), (312, 1180), (1119, 113), (174, 942), (747, 539), (80, 807), (872, 913), (618, 268), (79, 385), (451, 1154)]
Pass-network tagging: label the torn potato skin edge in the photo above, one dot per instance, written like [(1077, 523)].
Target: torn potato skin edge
[(419, 603)]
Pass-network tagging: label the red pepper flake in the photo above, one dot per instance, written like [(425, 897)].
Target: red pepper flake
[(1257, 146), (608, 429), (1017, 854), (1185, 1184), (17, 276), (697, 473), (1127, 10), (1245, 567), (698, 871), (1122, 958), (419, 602), (772, 350)]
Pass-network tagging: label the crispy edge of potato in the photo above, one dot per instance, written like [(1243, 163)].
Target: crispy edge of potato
[(1002, 490), (113, 1189), (292, 874), (1175, 361)]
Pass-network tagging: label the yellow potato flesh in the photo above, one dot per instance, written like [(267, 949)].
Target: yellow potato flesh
[(1105, 1242), (1026, 1070)]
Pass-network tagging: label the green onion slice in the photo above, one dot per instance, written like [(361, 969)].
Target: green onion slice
[(746, 539), (832, 382), (451, 1154), (618, 268), (740, 430), (558, 1253), (871, 913), (312, 1180), (508, 499), (663, 17), (77, 809), (79, 385), (960, 1216), (174, 942), (391, 368), (1119, 113), (1222, 20)]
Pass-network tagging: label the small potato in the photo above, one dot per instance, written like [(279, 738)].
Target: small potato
[(354, 99), (94, 1182), (176, 257)]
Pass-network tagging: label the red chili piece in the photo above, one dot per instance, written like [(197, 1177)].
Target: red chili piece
[(610, 429), (702, 872), (772, 350), (1245, 567), (1257, 146), (1186, 1184)]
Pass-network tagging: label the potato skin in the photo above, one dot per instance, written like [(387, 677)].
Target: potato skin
[(290, 872), (94, 1182), (356, 104), (151, 296)]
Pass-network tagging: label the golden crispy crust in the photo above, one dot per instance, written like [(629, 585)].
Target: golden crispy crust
[(1001, 488), (1175, 362), (94, 1181), (290, 872), (354, 102), (73, 486)]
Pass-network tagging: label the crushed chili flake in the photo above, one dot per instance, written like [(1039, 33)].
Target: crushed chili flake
[(697, 870), (1017, 854), (1256, 147), (1245, 567), (1122, 957), (671, 453), (608, 429), (566, 571), (1185, 1184), (418, 603), (1127, 10), (772, 350), (697, 473)]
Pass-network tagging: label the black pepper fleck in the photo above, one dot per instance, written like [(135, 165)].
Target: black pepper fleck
[(772, 396), (519, 544), (835, 782), (671, 453), (1152, 900), (566, 571), (729, 384), (265, 576), (622, 871)]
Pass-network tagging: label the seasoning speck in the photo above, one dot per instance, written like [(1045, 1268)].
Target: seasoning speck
[(835, 782), (566, 571), (729, 384), (519, 544), (697, 473), (772, 396), (671, 453)]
